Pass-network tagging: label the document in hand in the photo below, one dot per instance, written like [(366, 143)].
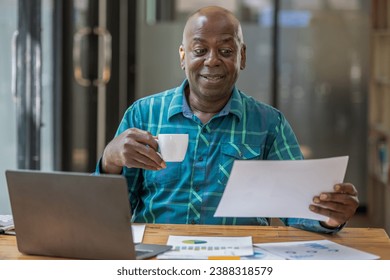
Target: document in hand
[(282, 188)]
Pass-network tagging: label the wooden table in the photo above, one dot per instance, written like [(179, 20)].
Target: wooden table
[(371, 240)]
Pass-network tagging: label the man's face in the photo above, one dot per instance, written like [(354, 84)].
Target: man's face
[(212, 56)]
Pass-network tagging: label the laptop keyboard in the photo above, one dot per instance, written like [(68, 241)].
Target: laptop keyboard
[(140, 253)]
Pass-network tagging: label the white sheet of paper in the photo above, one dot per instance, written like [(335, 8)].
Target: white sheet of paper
[(138, 233), (282, 188), (202, 247), (315, 250)]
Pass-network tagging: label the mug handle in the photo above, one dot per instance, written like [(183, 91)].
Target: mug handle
[(158, 150)]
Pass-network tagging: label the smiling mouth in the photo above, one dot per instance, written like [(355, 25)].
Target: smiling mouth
[(212, 77)]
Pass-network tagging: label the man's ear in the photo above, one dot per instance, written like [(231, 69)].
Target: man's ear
[(182, 55), (243, 57)]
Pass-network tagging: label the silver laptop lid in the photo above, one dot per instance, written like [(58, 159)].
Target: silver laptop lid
[(71, 215)]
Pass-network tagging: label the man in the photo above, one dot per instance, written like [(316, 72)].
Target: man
[(223, 125)]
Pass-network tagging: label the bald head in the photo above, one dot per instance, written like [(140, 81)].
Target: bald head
[(214, 14)]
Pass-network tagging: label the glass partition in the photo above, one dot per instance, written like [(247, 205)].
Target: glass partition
[(8, 118)]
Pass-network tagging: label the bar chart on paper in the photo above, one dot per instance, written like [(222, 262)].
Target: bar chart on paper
[(203, 247), (191, 241)]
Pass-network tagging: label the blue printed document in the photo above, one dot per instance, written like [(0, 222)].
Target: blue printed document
[(315, 250)]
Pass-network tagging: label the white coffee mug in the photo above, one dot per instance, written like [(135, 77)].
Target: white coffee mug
[(172, 147)]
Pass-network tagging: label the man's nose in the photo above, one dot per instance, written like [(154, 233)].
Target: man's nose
[(212, 59)]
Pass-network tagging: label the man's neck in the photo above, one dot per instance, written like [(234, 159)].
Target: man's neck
[(205, 110)]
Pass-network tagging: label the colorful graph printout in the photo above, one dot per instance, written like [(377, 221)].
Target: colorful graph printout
[(315, 250), (194, 241), (203, 247)]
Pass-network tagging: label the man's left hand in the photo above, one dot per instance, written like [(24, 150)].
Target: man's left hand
[(339, 205)]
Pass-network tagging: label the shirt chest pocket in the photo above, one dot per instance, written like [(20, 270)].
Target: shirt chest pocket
[(170, 174), (231, 152)]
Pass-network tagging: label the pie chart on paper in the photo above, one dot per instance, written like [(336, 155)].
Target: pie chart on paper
[(194, 241)]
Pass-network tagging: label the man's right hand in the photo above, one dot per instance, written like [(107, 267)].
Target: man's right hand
[(134, 148)]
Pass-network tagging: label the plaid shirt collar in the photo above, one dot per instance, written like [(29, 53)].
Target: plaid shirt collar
[(179, 103)]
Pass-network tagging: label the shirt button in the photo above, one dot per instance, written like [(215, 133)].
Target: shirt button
[(200, 158), (193, 222), (196, 189)]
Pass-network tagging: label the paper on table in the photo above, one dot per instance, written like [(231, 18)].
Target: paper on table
[(315, 250), (202, 247), (261, 254), (138, 233), (282, 188), (6, 221), (6, 224)]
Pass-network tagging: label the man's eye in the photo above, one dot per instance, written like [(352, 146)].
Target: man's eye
[(226, 52), (199, 51)]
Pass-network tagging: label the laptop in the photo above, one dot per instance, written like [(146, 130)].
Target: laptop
[(74, 215)]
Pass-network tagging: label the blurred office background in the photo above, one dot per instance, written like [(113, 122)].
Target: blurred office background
[(69, 69)]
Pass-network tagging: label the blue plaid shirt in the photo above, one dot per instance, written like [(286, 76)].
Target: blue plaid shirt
[(188, 192)]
